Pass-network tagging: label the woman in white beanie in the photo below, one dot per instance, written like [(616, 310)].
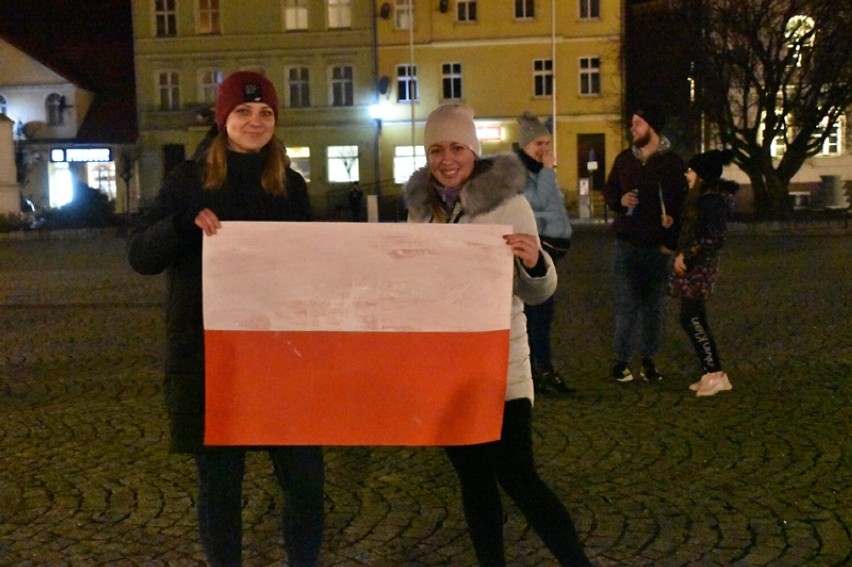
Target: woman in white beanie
[(457, 186)]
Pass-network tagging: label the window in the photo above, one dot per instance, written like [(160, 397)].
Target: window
[(295, 15), (799, 32), (208, 84), (166, 18), (466, 10), (343, 164), (169, 90), (299, 87), (407, 160), (406, 83), (833, 144), (402, 17), (208, 16), (524, 9), (451, 80), (101, 176), (54, 110), (341, 86), (590, 9), (590, 75), (340, 13), (300, 160), (543, 77), (2, 104)]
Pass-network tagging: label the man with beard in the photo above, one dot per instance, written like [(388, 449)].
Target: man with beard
[(646, 189)]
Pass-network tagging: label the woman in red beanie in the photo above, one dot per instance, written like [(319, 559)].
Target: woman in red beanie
[(244, 175)]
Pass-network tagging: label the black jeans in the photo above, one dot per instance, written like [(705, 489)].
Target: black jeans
[(539, 323), (510, 463), (300, 473)]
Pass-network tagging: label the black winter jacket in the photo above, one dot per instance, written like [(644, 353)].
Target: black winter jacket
[(166, 239)]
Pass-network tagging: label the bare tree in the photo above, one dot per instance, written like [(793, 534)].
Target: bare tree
[(770, 74)]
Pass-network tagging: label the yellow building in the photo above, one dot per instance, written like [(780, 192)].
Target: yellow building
[(357, 81), (319, 54), (559, 59)]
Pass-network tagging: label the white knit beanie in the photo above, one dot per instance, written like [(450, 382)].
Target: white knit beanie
[(451, 123)]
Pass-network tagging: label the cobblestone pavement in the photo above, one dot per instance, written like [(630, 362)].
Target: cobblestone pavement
[(652, 475)]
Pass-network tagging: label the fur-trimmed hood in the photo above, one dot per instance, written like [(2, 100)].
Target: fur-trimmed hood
[(494, 180)]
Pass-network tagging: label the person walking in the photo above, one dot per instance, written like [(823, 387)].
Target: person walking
[(554, 232), (696, 263), (243, 175), (646, 190), (458, 186)]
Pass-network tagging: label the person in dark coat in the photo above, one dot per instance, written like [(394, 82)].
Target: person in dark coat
[(696, 263), (244, 175), (646, 190)]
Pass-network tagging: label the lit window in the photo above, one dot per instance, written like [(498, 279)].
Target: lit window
[(451, 80), (299, 87), (524, 9), (295, 15), (300, 160), (543, 77), (590, 75), (208, 16), (833, 143), (54, 109), (402, 14), (590, 9), (169, 90), (339, 13), (101, 176), (343, 164), (799, 33), (165, 17), (341, 86), (407, 160), (466, 10), (208, 84), (406, 83)]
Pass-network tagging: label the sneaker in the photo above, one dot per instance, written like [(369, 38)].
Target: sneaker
[(621, 372), (695, 386), (649, 371), (555, 383), (716, 382)]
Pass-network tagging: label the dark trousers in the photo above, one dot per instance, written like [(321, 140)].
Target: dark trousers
[(510, 463), (300, 473), (693, 319), (539, 324)]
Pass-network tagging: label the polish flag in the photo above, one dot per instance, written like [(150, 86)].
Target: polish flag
[(356, 333)]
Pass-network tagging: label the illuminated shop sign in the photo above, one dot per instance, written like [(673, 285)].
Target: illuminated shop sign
[(81, 154)]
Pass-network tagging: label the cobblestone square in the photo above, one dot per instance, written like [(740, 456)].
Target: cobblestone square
[(759, 476)]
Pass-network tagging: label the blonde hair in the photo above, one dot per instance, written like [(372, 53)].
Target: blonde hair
[(273, 180)]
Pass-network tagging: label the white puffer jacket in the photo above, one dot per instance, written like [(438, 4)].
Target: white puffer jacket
[(492, 195)]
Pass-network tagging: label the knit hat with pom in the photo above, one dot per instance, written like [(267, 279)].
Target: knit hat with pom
[(531, 129)]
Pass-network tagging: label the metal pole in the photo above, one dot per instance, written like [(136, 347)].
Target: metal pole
[(553, 60)]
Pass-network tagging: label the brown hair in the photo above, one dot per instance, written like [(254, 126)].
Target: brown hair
[(273, 179)]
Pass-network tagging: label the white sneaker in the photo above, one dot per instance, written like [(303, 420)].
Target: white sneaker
[(713, 383)]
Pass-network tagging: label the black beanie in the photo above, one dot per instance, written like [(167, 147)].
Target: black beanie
[(709, 165), (653, 115)]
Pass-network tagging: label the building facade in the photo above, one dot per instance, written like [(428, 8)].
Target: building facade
[(559, 60), (319, 54), (357, 79)]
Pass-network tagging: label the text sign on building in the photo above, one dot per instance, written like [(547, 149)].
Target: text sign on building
[(80, 154)]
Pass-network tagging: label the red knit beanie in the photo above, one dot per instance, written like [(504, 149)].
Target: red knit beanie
[(240, 87)]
